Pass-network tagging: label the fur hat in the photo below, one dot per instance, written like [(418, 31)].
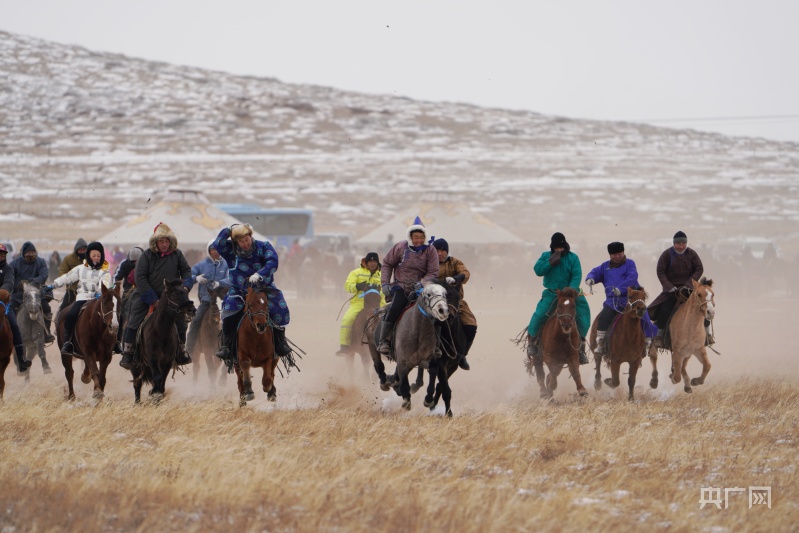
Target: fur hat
[(162, 231), (416, 226), (135, 253), (680, 237), (238, 231), (615, 247), (558, 241), (95, 246), (441, 244), (371, 256)]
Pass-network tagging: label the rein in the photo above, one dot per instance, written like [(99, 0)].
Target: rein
[(250, 316)]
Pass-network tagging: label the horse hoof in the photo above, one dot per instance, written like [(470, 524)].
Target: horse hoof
[(583, 393), (47, 370), (406, 404), (85, 379), (449, 413), (689, 390), (157, 397), (385, 386), (272, 398), (653, 383), (242, 403), (597, 385), (249, 396), (98, 395), (414, 388), (697, 381), (429, 404)]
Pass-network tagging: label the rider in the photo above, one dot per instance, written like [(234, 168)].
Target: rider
[(453, 271), (617, 275), (411, 262), (676, 268), (161, 262), (125, 274), (360, 280), (89, 276), (68, 263), (560, 268), (210, 273), (252, 264), (32, 268), (7, 283)]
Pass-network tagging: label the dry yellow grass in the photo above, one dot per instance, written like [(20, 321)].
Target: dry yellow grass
[(597, 465)]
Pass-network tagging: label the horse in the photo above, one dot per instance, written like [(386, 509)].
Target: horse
[(560, 343), (157, 340), (93, 340), (6, 338), (360, 341), (687, 332), (414, 338), (208, 340), (256, 346), (30, 320), (625, 342)]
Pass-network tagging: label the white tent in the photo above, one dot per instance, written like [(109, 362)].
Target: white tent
[(191, 216), (455, 222)]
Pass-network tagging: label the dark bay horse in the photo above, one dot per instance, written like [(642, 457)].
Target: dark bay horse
[(624, 343), (256, 347), (6, 338), (30, 319), (360, 341), (93, 339), (208, 340), (560, 343), (687, 332), (157, 340)]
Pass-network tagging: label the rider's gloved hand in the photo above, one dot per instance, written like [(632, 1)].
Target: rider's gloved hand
[(589, 282), (255, 278), (450, 280), (554, 258), (213, 285), (362, 286), (673, 289), (149, 297), (47, 290), (387, 291), (201, 279), (616, 291)]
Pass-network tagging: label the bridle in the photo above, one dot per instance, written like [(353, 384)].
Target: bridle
[(430, 301), (250, 315), (104, 314)]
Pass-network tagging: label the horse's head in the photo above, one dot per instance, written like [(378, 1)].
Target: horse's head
[(109, 307), (177, 299), (566, 309), (703, 293), (257, 308), (433, 300), (636, 301), (32, 300)]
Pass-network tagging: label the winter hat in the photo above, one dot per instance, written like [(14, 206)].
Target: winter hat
[(3, 249), (80, 243), (416, 226), (371, 256), (680, 237), (559, 241), (95, 246), (441, 244), (135, 253), (615, 247), (28, 246), (162, 231)]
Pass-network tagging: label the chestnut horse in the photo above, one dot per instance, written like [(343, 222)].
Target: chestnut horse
[(256, 346), (687, 332), (93, 339), (560, 344), (208, 340), (157, 340), (6, 339), (624, 343)]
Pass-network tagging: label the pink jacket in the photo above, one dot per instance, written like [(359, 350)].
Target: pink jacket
[(409, 267)]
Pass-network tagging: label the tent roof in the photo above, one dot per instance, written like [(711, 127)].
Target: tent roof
[(455, 222), (191, 216)]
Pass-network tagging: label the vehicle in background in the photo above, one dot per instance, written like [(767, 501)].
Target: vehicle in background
[(282, 226)]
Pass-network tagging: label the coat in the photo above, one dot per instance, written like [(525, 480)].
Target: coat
[(87, 279), (677, 270), (409, 267), (452, 267), (212, 271), (621, 277), (71, 261)]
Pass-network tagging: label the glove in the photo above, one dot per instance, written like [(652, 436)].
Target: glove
[(255, 278), (47, 289), (417, 286), (589, 282), (616, 291), (387, 291), (213, 285), (554, 258), (201, 279), (450, 280), (362, 286), (149, 297)]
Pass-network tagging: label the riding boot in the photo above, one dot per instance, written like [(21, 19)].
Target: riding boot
[(463, 363), (182, 356), (67, 348), (532, 347), (127, 349), (381, 337), (22, 363), (709, 340), (658, 340), (583, 356), (600, 343), (48, 320), (281, 346), (117, 347), (343, 350)]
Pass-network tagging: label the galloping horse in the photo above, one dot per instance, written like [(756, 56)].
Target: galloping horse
[(157, 340), (256, 346), (625, 342), (31, 324), (6, 339), (414, 338), (687, 331), (208, 340), (453, 342), (93, 339), (560, 343), (360, 341)]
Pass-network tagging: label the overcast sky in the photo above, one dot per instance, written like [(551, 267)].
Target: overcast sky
[(718, 63)]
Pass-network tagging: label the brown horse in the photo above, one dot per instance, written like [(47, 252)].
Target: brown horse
[(6, 338), (687, 332), (560, 343), (625, 342), (256, 347), (208, 340), (93, 339)]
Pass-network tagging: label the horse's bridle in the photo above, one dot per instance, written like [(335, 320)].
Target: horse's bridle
[(104, 314), (250, 315), (630, 309), (430, 301)]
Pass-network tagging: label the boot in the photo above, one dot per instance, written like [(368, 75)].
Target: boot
[(658, 340), (48, 337), (583, 356), (127, 356), (67, 348), (22, 363), (709, 340), (182, 357), (463, 363), (532, 347), (279, 337), (343, 350), (600, 343), (381, 337), (117, 347)]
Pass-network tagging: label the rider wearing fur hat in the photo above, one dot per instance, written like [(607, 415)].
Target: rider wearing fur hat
[(364, 278), (252, 264), (560, 268), (452, 271), (161, 262), (409, 262), (7, 283), (88, 276)]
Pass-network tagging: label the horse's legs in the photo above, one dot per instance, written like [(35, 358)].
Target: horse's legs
[(69, 373), (271, 394), (196, 367), (653, 358), (552, 377), (676, 366), (137, 389), (631, 378), (705, 360), (540, 377), (419, 380), (246, 378), (91, 369), (3, 366), (686, 380), (574, 370), (365, 360), (615, 369), (446, 391), (380, 368), (212, 369), (429, 401), (598, 374), (404, 386), (240, 384), (268, 378)]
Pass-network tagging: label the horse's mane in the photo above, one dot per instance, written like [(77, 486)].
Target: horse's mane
[(568, 292), (704, 281), (4, 296), (638, 289)]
